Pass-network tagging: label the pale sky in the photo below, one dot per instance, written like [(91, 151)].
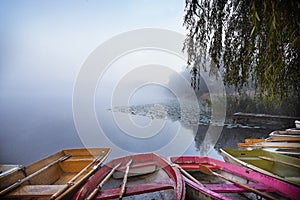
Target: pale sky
[(43, 45), (46, 41)]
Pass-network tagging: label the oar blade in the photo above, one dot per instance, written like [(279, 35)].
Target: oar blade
[(205, 170)]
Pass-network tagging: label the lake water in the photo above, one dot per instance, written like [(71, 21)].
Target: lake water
[(32, 130)]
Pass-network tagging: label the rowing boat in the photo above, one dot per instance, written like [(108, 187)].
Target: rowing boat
[(213, 177), (276, 143), (142, 176), (282, 167), (54, 177)]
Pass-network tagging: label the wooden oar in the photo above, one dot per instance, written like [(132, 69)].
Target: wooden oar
[(123, 186), (208, 171), (188, 175), (279, 161), (71, 182), (21, 181), (99, 187)]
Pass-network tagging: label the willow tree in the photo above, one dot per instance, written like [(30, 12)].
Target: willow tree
[(255, 41)]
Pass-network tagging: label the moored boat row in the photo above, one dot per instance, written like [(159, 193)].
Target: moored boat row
[(282, 142), (79, 174)]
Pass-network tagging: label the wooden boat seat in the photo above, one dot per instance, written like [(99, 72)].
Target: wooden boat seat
[(32, 191), (137, 189), (75, 163), (231, 188), (136, 170)]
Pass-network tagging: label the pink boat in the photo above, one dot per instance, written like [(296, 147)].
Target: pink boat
[(220, 180)]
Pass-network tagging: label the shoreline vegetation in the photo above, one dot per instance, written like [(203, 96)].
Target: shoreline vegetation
[(232, 133), (187, 113)]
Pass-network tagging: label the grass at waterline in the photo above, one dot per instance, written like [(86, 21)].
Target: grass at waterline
[(190, 115)]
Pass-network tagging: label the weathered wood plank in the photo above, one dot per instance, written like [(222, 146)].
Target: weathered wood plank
[(280, 145), (31, 191)]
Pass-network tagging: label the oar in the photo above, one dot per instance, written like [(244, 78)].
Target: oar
[(71, 182), (123, 186), (279, 161), (208, 171), (98, 187), (188, 175), (21, 181)]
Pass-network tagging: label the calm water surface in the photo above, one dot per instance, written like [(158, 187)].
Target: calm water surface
[(29, 133)]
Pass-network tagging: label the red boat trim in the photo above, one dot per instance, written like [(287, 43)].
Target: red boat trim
[(136, 189), (191, 163), (231, 188)]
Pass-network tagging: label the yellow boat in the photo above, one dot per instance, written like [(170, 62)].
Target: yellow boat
[(55, 177)]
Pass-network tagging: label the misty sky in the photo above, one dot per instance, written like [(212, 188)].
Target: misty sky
[(44, 43), (43, 46)]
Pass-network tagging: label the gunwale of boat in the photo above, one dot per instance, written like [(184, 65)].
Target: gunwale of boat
[(290, 133), (51, 175), (6, 169), (250, 159), (165, 182), (247, 176), (290, 152)]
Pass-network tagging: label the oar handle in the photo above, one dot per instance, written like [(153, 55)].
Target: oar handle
[(71, 182), (123, 186), (20, 182), (188, 175), (84, 169), (55, 195), (98, 187), (95, 191)]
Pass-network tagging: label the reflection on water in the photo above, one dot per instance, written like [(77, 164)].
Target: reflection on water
[(205, 140), (50, 128)]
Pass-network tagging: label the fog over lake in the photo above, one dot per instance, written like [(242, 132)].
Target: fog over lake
[(44, 45)]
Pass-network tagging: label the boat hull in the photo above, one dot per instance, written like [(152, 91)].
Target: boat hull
[(59, 174), (164, 182), (215, 188), (278, 166)]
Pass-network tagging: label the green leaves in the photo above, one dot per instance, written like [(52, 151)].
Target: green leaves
[(249, 40), (257, 17)]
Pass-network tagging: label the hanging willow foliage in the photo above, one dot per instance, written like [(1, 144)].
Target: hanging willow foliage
[(249, 41)]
